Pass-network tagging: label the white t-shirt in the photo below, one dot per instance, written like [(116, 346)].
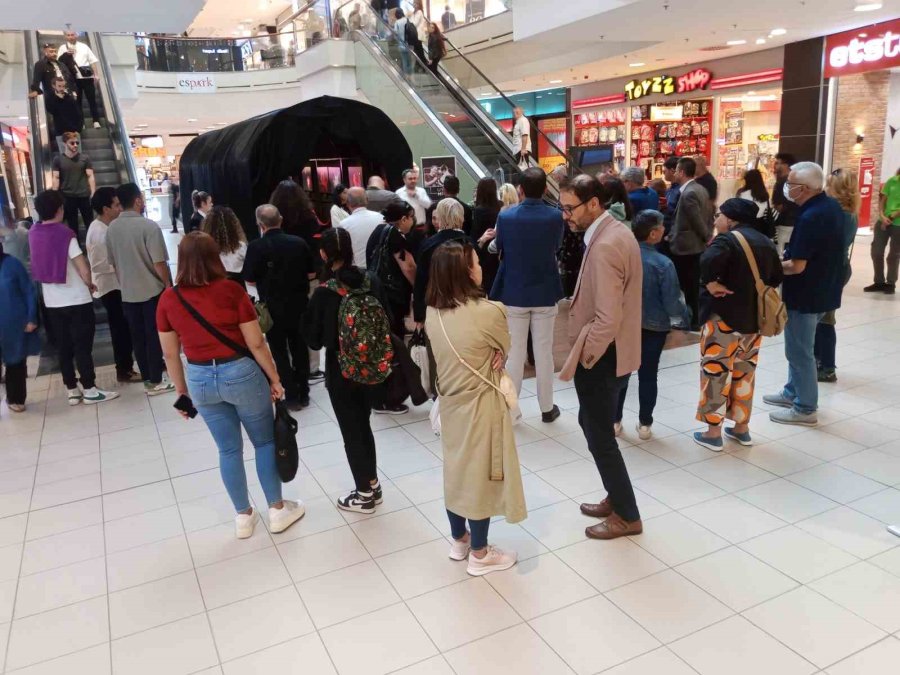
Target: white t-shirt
[(761, 206), (82, 55), (520, 128), (420, 201), (74, 291), (360, 224), (337, 215), (102, 271), (234, 261)]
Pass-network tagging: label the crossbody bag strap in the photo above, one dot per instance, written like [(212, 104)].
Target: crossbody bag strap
[(461, 359), (212, 330), (751, 259)]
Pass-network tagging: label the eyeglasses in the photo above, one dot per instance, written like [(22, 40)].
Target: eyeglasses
[(569, 210)]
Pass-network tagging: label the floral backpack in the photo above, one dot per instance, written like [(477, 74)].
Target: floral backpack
[(364, 334)]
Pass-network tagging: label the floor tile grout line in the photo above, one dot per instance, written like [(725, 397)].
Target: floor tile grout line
[(635, 658), (106, 580)]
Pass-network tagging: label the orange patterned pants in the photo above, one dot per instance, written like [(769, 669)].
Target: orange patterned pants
[(727, 373)]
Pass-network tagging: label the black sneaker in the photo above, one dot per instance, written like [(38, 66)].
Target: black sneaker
[(360, 502), (827, 375), (376, 491), (889, 289), (390, 409), (874, 288), (316, 376), (548, 417)]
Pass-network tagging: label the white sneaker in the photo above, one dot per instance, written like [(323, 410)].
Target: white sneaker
[(163, 387), (494, 560), (617, 427), (645, 433), (93, 395), (281, 519), (96, 125), (244, 524), (74, 396), (459, 550)]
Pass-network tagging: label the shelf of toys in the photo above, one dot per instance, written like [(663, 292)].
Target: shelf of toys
[(603, 126), (684, 132)]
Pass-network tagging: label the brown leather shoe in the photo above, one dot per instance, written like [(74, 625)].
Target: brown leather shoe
[(613, 528), (602, 510)]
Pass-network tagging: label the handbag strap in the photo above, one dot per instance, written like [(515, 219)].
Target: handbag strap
[(461, 359), (751, 259)]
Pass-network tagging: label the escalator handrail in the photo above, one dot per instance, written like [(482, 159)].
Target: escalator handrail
[(118, 131), (437, 124), (41, 153)]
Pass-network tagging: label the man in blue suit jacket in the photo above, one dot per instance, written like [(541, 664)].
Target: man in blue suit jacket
[(528, 283), (642, 197)]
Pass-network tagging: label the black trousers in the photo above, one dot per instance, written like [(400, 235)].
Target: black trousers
[(688, 269), (16, 377), (289, 350), (118, 331), (86, 88), (74, 329), (72, 207), (352, 403), (598, 397), (141, 317)]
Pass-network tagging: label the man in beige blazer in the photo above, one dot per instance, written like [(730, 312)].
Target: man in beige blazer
[(605, 327)]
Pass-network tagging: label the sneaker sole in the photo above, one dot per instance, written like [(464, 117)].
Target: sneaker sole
[(158, 392), (246, 533), (95, 401), (782, 404), (746, 444), (487, 570), (389, 412), (795, 423), (355, 509), (74, 401), (709, 446), (453, 557), (299, 513)]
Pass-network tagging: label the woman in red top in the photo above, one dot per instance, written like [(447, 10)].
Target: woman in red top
[(227, 388)]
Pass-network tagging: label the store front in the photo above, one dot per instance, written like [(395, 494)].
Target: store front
[(15, 174), (726, 110), (862, 67)]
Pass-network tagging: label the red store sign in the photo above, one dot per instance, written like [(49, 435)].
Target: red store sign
[(866, 180), (873, 47), (667, 84)]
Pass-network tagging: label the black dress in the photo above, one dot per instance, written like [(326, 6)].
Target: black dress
[(483, 219)]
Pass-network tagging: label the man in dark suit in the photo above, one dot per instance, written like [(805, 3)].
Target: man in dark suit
[(528, 282), (691, 231)]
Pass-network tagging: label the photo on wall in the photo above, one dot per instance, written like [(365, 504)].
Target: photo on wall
[(433, 172)]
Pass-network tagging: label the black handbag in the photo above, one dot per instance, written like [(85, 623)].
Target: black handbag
[(287, 454)]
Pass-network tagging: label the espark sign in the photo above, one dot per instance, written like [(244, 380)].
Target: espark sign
[(668, 85)]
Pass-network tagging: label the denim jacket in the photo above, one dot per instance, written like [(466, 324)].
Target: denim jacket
[(662, 300)]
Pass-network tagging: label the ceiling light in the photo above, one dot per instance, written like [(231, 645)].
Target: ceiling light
[(555, 81), (636, 65), (735, 43), (192, 119), (867, 6), (760, 41), (23, 117), (777, 31), (863, 35)]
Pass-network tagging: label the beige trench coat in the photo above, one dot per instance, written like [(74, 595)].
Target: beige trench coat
[(475, 421)]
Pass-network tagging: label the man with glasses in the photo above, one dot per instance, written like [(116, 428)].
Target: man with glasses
[(73, 175), (605, 328), (813, 281)]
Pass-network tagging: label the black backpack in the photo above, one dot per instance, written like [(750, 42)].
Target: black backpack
[(385, 269), (410, 33)]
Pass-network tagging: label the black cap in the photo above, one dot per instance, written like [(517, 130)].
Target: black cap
[(395, 210), (740, 210)]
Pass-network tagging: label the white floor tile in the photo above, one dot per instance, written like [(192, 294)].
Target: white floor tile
[(321, 553), (775, 457), (154, 604), (823, 445), (540, 585), (867, 591), (674, 539), (873, 464), (256, 623), (801, 556), (461, 613), (215, 544), (65, 491), (58, 519), (653, 663), (558, 525), (609, 564), (852, 531), (60, 586), (543, 453), (729, 473), (678, 450), (424, 568), (94, 660), (147, 563), (813, 626), (346, 594), (613, 635), (539, 493), (732, 518), (62, 549), (178, 648), (394, 531), (738, 647), (301, 656), (882, 657), (138, 500), (786, 500), (515, 650), (145, 528), (242, 577), (678, 489), (883, 506), (668, 605)]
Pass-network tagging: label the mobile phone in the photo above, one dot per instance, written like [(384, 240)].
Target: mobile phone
[(185, 405)]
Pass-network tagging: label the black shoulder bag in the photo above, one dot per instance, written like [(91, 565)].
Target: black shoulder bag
[(287, 456)]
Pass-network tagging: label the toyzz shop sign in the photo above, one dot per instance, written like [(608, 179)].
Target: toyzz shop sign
[(667, 85), (874, 47)]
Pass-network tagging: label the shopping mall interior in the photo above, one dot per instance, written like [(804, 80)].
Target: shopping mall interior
[(118, 548)]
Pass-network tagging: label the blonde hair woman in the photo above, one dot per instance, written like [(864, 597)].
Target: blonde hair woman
[(448, 222), (509, 196), (842, 186)]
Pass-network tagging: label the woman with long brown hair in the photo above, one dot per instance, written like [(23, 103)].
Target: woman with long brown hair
[(437, 46), (297, 211), (470, 340), (484, 218), (227, 387), (222, 224)]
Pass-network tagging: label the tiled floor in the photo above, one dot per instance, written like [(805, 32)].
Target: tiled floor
[(117, 552)]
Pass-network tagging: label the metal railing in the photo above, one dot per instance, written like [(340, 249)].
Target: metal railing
[(41, 153), (118, 130)]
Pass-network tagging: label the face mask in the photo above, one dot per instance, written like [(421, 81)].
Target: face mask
[(787, 192)]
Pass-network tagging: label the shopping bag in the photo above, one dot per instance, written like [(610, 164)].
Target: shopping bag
[(287, 457)]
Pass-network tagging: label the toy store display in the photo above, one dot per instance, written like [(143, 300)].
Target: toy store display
[(688, 132), (602, 126)]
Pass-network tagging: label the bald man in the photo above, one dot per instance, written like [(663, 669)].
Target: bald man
[(360, 224)]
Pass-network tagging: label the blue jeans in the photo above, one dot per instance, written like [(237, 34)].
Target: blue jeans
[(477, 528), (652, 344), (227, 396), (799, 343)]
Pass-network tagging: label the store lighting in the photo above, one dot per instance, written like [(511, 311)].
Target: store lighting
[(867, 6), (152, 142), (555, 81), (192, 119), (777, 31), (23, 117), (636, 65), (760, 41), (735, 43)]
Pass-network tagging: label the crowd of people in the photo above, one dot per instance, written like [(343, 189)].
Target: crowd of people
[(483, 284)]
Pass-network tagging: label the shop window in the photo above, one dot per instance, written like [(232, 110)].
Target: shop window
[(748, 134), (660, 131), (603, 127)]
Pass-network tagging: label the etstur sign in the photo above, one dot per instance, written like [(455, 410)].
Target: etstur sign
[(196, 84), (873, 47)]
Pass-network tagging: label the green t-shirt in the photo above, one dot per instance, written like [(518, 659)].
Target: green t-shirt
[(891, 192)]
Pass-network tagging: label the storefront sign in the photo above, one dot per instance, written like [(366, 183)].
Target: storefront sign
[(734, 127), (196, 84), (768, 137), (667, 85), (866, 182), (666, 113), (875, 47)]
